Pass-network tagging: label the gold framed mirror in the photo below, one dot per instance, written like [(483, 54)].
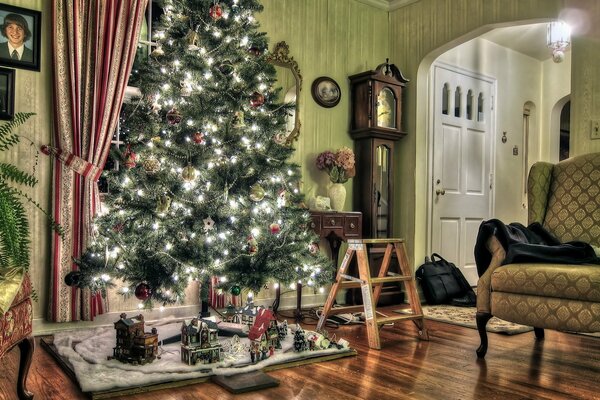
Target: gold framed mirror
[(290, 80)]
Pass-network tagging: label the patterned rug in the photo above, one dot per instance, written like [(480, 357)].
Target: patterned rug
[(465, 316)]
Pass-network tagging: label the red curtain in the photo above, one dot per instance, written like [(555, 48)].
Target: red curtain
[(93, 46)]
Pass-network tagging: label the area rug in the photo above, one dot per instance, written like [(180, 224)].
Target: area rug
[(85, 354), (465, 316)]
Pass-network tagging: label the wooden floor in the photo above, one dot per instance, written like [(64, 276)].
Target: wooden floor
[(563, 366)]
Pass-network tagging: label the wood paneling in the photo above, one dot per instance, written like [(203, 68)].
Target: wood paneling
[(563, 366)]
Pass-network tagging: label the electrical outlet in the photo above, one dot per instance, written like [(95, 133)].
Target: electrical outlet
[(595, 129), (516, 151)]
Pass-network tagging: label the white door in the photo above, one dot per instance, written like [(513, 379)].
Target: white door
[(462, 159)]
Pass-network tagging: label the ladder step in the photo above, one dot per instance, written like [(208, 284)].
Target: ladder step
[(374, 281), (370, 241), (346, 309), (396, 278), (387, 320)]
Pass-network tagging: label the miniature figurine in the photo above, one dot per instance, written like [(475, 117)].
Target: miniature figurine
[(200, 342), (133, 344)]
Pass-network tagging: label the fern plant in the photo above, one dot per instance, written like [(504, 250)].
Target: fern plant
[(14, 226)]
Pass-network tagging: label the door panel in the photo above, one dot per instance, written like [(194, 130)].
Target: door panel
[(462, 157)]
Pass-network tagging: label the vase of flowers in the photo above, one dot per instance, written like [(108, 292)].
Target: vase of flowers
[(339, 167)]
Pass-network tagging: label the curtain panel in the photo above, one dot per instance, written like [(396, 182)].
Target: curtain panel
[(93, 46)]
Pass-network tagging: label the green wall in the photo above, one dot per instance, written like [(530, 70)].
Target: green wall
[(335, 38)]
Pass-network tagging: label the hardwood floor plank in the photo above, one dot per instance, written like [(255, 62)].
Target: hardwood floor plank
[(563, 366)]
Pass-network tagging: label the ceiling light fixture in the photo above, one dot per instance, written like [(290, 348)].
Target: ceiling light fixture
[(558, 39)]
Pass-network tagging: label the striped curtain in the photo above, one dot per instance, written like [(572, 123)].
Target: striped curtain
[(93, 46)]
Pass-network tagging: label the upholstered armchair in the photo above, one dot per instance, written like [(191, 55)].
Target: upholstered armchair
[(565, 199), (16, 324)]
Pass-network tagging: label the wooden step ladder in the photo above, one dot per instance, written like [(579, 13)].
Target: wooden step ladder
[(371, 287)]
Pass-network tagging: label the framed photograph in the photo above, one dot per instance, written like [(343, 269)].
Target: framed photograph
[(20, 32), (326, 92), (7, 93)]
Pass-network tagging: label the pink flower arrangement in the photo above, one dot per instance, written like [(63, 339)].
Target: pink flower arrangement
[(339, 165)]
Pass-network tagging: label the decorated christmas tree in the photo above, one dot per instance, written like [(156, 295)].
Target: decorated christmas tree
[(204, 186)]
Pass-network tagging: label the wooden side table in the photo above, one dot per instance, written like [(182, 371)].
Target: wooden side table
[(336, 227)]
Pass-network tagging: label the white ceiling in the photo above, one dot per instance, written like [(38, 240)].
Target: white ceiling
[(526, 39)]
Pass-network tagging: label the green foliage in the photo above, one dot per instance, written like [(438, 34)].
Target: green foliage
[(239, 214), (14, 226)]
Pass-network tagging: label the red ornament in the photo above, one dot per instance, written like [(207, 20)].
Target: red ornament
[(198, 137), (173, 117), (215, 12), (129, 157), (143, 291), (257, 99), (118, 227), (255, 51), (275, 228)]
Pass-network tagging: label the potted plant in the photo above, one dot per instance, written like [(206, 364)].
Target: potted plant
[(14, 226)]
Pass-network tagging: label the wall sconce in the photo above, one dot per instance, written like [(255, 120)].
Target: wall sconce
[(558, 39)]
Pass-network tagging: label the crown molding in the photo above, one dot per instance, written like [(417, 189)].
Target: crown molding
[(396, 4), (382, 4), (388, 5)]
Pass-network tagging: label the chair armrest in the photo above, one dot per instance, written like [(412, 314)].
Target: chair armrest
[(484, 290)]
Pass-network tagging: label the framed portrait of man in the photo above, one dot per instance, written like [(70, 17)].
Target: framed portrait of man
[(7, 93), (20, 32)]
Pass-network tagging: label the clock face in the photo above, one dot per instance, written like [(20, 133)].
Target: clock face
[(386, 109)]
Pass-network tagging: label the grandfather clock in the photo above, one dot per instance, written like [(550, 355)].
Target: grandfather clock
[(376, 123)]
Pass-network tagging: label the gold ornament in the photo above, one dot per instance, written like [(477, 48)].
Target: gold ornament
[(157, 52), (192, 40), (189, 173), (151, 165), (257, 193), (163, 204)]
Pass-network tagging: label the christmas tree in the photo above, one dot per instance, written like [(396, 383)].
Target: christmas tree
[(205, 187)]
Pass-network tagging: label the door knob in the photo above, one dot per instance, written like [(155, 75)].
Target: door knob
[(440, 192)]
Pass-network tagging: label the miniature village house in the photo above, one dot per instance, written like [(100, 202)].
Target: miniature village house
[(133, 344), (265, 328), (200, 342), (231, 314)]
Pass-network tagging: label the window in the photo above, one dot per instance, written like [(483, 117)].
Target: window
[(480, 115), (145, 44), (470, 105), (445, 96), (457, 102)]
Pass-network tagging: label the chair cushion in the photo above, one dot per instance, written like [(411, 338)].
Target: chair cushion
[(575, 282), (573, 212), (16, 322)]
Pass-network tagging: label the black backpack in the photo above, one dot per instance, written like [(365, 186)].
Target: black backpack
[(443, 283)]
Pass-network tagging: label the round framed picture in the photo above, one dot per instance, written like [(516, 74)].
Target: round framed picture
[(326, 92)]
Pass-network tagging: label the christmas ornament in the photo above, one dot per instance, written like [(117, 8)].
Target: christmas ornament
[(163, 203), (192, 40), (226, 67), (257, 193), (280, 138), (215, 12), (173, 117), (155, 139), (189, 173), (198, 138), (252, 245), (209, 224), (283, 197), (129, 157), (238, 119), (255, 51), (274, 228), (157, 52), (151, 165), (186, 88), (257, 100), (73, 278), (236, 290), (143, 291), (118, 227), (313, 248)]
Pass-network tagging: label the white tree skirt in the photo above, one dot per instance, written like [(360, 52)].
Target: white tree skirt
[(87, 352)]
